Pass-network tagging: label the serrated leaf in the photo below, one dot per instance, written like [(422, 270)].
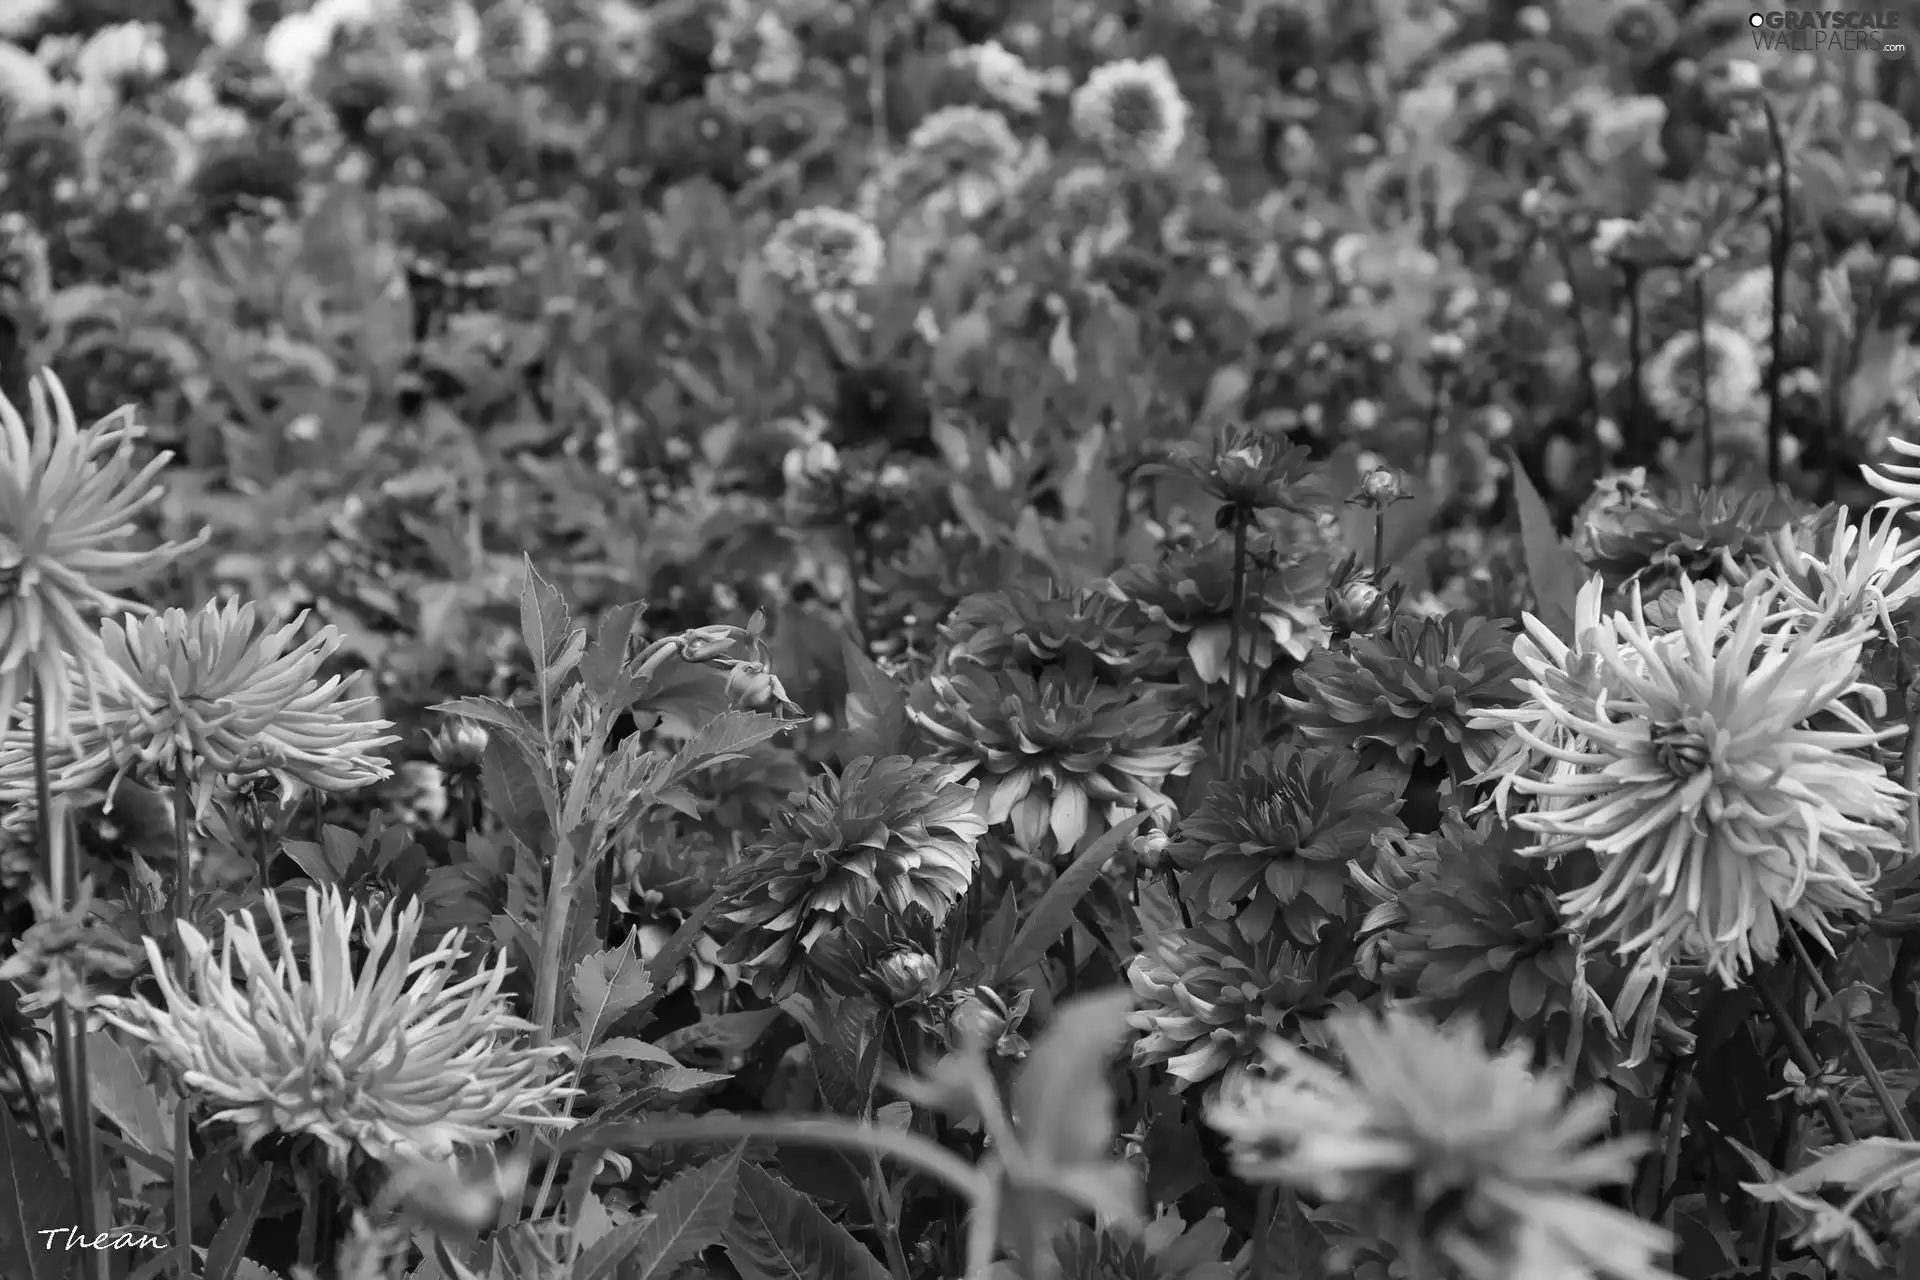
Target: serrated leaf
[(606, 986), (724, 1035), (1053, 915), (779, 1234), (1295, 1249), (876, 710), (722, 738), (548, 632), (1553, 571), (226, 1254), (516, 793), (248, 1269), (124, 1096), (689, 1214), (35, 1197), (605, 664), (629, 1049)]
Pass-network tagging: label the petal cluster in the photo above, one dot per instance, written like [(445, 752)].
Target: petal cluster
[(69, 498), (1459, 1158), (1721, 775), (391, 1056)]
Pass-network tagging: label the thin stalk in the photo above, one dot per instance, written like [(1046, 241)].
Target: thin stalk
[(1648, 1205), (1636, 388), (1895, 1117), (1230, 753), (56, 868), (1705, 356), (1379, 544), (1582, 340), (1783, 1149), (1803, 1058), (182, 1115), (1676, 1134), (1781, 250), (1436, 402), (1265, 1207)]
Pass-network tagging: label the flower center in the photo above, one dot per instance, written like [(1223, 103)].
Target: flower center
[(1681, 748)]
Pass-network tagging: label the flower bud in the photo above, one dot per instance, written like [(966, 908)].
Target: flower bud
[(1151, 850), (812, 464), (459, 746), (908, 977), (1381, 488), (980, 1019)]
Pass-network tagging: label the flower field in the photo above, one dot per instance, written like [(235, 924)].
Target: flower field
[(958, 640)]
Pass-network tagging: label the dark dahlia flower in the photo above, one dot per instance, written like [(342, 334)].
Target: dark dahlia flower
[(1029, 631), (1191, 592), (890, 831), (660, 881), (1657, 540), (1411, 693), (938, 569), (1058, 752), (1209, 999), (899, 960), (1273, 843), (1475, 926), (1248, 470)]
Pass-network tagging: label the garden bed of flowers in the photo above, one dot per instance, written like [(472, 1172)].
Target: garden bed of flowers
[(956, 640)]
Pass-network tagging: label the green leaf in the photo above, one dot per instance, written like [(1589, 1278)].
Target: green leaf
[(548, 632), (35, 1197), (628, 1049), (725, 737), (606, 986), (876, 711), (225, 1254), (779, 1234), (688, 1215), (1053, 915), (1295, 1249), (1555, 573), (605, 666), (121, 1091), (516, 794), (661, 968), (1062, 1103)]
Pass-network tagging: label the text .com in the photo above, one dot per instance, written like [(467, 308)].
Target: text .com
[(1826, 30)]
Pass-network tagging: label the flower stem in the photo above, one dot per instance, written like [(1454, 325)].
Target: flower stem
[(1803, 1057), (1265, 1208), (56, 867), (1636, 389), (1676, 1134), (1875, 1081), (1782, 248), (1230, 750), (1582, 341), (1705, 355), (1783, 1148), (182, 1115)]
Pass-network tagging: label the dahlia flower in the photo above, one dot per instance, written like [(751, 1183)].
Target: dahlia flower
[(1673, 376), (1133, 110), (891, 831), (59, 956), (1030, 631), (825, 252), (901, 960), (1691, 533), (1477, 929), (660, 880), (1460, 1159), (1712, 807), (1191, 592), (203, 695), (65, 512), (1271, 844), (395, 1059), (1851, 572), (1047, 748), (1411, 693), (1900, 481), (1207, 998), (1247, 470)]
